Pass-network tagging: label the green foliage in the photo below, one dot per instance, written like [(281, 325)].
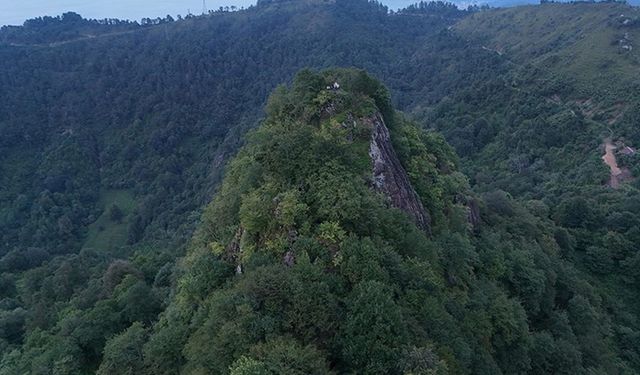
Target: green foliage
[(107, 113), (123, 353), (281, 356), (297, 266), (115, 213), (163, 350), (359, 288), (373, 331), (248, 366)]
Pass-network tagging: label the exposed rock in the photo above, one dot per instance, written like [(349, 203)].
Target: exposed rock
[(628, 151), (472, 207), (390, 178), (233, 251), (328, 109), (292, 235), (289, 259), (473, 214), (625, 42)]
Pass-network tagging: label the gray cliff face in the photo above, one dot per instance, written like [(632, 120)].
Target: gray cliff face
[(390, 178)]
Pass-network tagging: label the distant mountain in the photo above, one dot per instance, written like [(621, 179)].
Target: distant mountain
[(515, 3), (67, 27)]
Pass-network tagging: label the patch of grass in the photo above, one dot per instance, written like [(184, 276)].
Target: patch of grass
[(106, 234)]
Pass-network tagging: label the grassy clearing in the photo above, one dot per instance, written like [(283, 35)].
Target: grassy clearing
[(106, 234)]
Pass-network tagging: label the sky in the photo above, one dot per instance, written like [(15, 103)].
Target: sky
[(15, 12)]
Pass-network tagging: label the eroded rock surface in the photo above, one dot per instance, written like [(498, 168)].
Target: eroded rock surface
[(390, 178)]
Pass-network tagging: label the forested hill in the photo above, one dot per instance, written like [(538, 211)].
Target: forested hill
[(137, 106), (51, 31), (114, 137), (305, 265), (592, 46)]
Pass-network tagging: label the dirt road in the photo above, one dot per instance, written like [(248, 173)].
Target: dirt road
[(609, 158)]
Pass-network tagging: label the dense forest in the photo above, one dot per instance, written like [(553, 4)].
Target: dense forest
[(173, 200)]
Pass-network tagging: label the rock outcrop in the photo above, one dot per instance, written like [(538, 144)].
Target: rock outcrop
[(390, 178)]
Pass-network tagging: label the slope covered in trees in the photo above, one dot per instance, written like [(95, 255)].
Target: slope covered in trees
[(69, 27), (301, 267), (145, 121), (111, 146), (127, 112), (540, 133)]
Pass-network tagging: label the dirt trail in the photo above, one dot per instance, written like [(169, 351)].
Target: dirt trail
[(610, 159)]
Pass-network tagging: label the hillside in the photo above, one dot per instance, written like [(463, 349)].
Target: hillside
[(515, 252), (332, 276), (542, 131), (67, 28), (587, 51), (135, 118), (154, 115)]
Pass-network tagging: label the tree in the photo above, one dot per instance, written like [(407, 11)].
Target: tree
[(281, 356), (115, 213), (374, 332), (136, 301), (422, 361), (579, 212), (248, 366), (163, 351), (116, 272), (12, 325), (123, 352), (599, 259)]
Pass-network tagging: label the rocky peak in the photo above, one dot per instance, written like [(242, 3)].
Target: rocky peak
[(390, 178)]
